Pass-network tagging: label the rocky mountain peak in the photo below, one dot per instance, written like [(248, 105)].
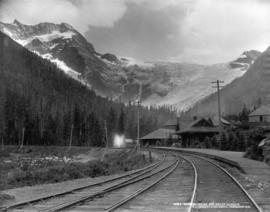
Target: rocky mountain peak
[(16, 22), (246, 59), (253, 54), (110, 57), (36, 42), (67, 26)]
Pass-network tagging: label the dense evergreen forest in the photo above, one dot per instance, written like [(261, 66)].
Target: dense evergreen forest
[(40, 105)]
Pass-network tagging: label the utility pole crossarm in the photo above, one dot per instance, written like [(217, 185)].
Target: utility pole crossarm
[(221, 81)]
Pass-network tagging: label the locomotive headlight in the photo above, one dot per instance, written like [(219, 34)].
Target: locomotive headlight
[(119, 140)]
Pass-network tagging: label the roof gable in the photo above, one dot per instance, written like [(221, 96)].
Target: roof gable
[(202, 123), (263, 110)]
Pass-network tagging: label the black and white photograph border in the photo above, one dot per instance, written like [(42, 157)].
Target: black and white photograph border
[(135, 105)]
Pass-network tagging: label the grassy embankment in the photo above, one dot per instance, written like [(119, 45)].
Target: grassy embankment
[(18, 171)]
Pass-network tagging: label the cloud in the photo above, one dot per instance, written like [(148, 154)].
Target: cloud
[(79, 13), (200, 31), (144, 32), (218, 30)]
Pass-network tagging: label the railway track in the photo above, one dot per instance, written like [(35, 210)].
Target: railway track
[(69, 199), (215, 189), (135, 173), (165, 196), (204, 186), (118, 198)]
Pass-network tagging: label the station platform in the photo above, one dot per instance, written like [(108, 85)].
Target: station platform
[(253, 168)]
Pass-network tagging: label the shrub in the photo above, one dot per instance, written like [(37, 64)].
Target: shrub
[(73, 172), (223, 142), (253, 151), (4, 154), (97, 168), (214, 142), (5, 197), (241, 145), (15, 176), (266, 153)]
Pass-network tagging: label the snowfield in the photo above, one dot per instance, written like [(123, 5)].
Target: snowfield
[(193, 86)]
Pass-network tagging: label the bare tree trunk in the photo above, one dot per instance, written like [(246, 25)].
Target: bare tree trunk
[(107, 143), (22, 142), (71, 135)]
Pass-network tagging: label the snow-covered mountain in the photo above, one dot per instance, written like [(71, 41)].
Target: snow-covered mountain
[(178, 84)]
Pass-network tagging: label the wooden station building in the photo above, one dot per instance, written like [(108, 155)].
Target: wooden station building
[(187, 132), (196, 131), (261, 116), (163, 136), (159, 137)]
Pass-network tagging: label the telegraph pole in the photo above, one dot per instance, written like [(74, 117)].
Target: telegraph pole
[(71, 137), (107, 142), (138, 124), (218, 82)]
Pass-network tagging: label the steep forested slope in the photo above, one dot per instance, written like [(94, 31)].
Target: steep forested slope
[(251, 89), (41, 102)]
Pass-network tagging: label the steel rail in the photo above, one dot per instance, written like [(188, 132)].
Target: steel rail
[(104, 191), (142, 171), (195, 186), (234, 180), (140, 191)]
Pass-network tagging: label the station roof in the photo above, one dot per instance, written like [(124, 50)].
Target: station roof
[(199, 126), (172, 122), (199, 130), (160, 134), (263, 110)]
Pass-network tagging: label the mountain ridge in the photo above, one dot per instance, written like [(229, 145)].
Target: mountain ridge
[(249, 91), (121, 78)]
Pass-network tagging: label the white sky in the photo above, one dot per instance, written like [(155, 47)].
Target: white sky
[(199, 31)]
